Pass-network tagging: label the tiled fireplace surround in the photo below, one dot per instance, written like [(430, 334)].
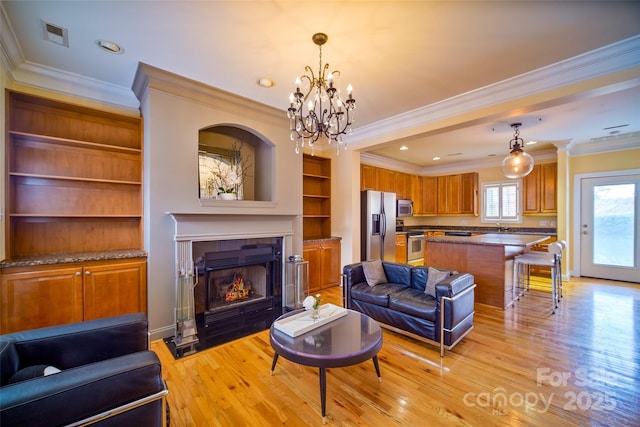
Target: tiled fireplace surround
[(193, 230)]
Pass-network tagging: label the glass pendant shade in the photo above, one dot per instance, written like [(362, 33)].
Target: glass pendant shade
[(517, 164)]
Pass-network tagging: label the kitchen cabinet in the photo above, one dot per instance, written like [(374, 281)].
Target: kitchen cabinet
[(38, 296), (540, 190), (429, 195), (401, 248), (469, 194), (386, 180), (367, 177), (458, 194), (316, 197), (324, 263), (403, 186), (416, 193), (449, 190)]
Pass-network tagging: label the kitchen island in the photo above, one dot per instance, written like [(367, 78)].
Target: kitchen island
[(489, 257)]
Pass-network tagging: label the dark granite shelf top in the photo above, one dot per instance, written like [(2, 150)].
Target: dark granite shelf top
[(322, 239), (69, 257)]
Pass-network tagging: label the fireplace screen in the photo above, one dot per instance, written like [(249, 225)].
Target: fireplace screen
[(242, 281)]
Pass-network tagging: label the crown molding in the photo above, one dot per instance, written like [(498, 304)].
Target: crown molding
[(37, 76), (607, 60), (627, 141), (150, 77), (449, 168)]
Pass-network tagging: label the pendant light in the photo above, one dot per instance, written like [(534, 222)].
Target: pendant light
[(517, 164)]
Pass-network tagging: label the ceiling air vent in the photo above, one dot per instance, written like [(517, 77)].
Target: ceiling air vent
[(55, 34)]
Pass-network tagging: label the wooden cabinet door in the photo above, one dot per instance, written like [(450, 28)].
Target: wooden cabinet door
[(416, 193), (367, 177), (311, 253), (549, 187), (401, 248), (36, 299), (330, 263), (114, 289), (469, 194), (324, 264), (540, 189), (429, 195), (449, 194), (531, 191), (386, 180), (403, 186), (454, 194), (442, 194)]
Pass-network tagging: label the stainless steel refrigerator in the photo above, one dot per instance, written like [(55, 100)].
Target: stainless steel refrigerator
[(378, 225)]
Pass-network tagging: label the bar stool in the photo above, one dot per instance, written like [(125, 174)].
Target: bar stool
[(562, 243), (522, 277)]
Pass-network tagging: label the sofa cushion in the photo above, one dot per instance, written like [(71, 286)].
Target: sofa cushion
[(434, 277), (378, 295), (415, 303), (374, 272), (31, 372)]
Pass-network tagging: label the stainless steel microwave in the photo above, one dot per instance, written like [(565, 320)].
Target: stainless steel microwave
[(405, 208)]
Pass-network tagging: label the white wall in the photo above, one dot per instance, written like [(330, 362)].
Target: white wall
[(174, 110)]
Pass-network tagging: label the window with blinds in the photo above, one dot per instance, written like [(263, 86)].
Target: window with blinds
[(501, 201)]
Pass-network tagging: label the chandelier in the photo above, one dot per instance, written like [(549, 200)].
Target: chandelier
[(317, 113), (518, 163)]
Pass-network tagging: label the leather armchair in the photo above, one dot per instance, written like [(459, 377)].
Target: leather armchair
[(107, 375)]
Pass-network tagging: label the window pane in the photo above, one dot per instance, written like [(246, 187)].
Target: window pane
[(509, 201), (492, 202), (614, 225)]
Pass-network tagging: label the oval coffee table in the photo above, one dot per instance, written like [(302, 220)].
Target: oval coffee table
[(346, 341)]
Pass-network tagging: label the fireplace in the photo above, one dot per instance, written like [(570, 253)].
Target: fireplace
[(215, 251), (238, 287)]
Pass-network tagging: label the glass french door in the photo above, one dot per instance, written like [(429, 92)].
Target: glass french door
[(610, 228)]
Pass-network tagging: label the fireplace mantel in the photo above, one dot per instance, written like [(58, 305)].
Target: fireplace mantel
[(205, 226)]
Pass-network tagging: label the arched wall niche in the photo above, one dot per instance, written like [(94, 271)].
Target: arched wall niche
[(228, 150)]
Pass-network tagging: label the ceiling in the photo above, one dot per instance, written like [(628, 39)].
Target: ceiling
[(444, 78)]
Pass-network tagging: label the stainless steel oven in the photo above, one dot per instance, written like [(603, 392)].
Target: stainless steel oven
[(415, 248)]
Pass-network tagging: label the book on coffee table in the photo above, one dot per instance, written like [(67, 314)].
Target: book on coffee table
[(303, 322)]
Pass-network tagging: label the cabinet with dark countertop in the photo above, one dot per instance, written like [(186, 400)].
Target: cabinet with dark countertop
[(489, 257)]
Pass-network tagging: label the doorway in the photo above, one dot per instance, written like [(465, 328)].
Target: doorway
[(609, 228)]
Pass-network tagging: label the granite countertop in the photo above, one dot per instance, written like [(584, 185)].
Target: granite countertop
[(493, 239), (69, 257), (322, 239), (486, 230)]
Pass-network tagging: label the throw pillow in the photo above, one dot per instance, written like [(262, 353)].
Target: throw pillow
[(374, 272), (31, 372), (434, 276)]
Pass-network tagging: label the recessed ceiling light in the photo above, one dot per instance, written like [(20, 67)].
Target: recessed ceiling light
[(110, 47), (436, 158), (266, 82), (404, 148), (531, 142)]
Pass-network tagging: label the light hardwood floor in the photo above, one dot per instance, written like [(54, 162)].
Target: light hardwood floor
[(519, 367)]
